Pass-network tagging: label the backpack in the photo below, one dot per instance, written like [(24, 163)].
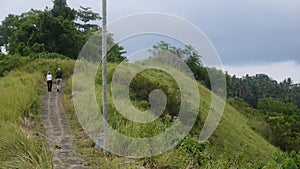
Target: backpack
[(58, 74)]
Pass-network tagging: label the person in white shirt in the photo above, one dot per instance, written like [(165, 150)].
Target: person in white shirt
[(49, 81)]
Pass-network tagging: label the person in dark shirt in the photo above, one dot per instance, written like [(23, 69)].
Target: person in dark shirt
[(58, 78)]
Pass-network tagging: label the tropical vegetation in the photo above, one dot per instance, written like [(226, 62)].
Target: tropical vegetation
[(260, 126)]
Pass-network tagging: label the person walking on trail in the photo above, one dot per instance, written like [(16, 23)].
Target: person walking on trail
[(49, 81), (58, 78)]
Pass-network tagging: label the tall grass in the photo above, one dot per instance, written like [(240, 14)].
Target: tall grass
[(45, 65), (17, 150), (19, 101), (19, 97)]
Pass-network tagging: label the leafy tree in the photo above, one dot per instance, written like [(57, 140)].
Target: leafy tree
[(61, 9), (93, 49), (284, 119), (191, 57), (189, 54), (85, 15), (116, 54), (7, 28), (20, 41), (61, 36), (51, 30), (295, 94), (285, 89), (252, 88), (276, 105), (38, 31)]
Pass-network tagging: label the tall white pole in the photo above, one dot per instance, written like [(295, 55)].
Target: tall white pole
[(104, 60)]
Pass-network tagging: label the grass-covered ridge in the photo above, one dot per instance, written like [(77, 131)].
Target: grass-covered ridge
[(234, 143)]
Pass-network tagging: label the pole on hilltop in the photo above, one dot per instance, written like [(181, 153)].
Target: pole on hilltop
[(104, 60)]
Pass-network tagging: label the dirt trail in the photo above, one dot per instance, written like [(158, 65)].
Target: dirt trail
[(59, 136)]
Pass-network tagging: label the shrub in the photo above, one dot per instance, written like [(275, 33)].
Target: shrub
[(46, 55), (194, 150), (284, 160), (10, 62)]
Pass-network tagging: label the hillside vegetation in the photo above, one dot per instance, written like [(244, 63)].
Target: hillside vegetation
[(22, 142), (238, 141), (260, 126), (235, 144)]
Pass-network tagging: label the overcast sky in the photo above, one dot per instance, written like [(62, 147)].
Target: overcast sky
[(251, 36)]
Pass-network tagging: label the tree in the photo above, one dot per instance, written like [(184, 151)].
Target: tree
[(54, 30), (115, 54), (24, 34), (189, 54), (284, 119), (61, 36), (295, 93), (85, 15), (7, 28), (191, 57), (61, 9), (43, 31), (38, 31)]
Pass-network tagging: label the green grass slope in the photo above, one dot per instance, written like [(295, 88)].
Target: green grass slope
[(233, 133), (233, 144)]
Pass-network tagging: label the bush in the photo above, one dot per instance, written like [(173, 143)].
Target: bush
[(194, 150), (45, 65), (46, 55), (10, 62), (284, 160)]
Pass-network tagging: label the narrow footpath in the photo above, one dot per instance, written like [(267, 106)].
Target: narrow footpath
[(59, 136)]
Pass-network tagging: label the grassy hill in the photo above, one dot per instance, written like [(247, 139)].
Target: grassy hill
[(235, 134), (234, 144)]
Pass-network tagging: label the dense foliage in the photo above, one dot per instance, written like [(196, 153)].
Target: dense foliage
[(253, 88), (284, 119), (59, 30), (278, 102)]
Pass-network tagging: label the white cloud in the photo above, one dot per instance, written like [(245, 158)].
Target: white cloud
[(277, 71)]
